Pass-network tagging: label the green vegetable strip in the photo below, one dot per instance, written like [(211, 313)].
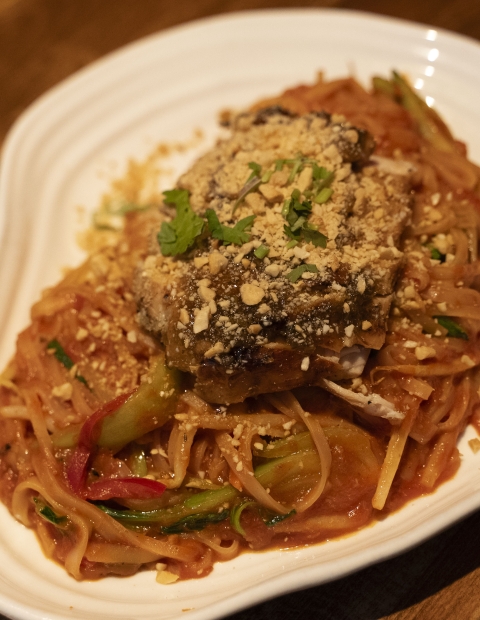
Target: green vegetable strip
[(269, 475), (324, 195), (278, 518), (47, 513), (137, 462), (428, 122), (286, 447), (286, 207), (195, 522), (454, 329), (383, 86), (67, 437), (236, 513), (148, 408), (296, 168), (204, 502), (63, 358)]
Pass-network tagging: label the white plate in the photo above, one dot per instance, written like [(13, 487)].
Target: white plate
[(160, 89)]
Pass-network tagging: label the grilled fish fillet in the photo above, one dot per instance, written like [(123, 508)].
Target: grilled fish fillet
[(279, 310)]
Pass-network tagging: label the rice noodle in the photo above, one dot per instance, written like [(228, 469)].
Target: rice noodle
[(395, 449), (289, 405), (244, 471), (339, 450)]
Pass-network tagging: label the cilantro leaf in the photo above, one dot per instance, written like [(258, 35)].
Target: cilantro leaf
[(256, 170), (236, 234), (296, 213), (296, 273), (177, 236), (290, 233), (322, 175), (293, 209), (454, 329), (315, 237)]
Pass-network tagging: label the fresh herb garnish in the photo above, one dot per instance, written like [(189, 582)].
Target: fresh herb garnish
[(236, 234), (313, 236), (293, 209), (47, 513), (253, 182), (320, 175), (435, 253), (195, 522), (179, 235), (296, 213), (262, 251), (256, 170), (454, 329), (324, 195), (297, 164), (278, 518), (299, 271), (63, 358)]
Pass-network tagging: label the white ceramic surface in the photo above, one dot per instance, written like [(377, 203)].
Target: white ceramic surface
[(160, 89)]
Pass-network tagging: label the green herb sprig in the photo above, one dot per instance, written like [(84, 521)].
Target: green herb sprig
[(237, 234), (321, 177), (296, 213), (256, 170), (297, 273), (179, 235)]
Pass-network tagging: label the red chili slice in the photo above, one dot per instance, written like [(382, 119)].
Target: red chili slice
[(125, 488), (77, 468)]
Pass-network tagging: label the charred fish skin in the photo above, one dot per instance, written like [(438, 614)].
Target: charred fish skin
[(308, 285)]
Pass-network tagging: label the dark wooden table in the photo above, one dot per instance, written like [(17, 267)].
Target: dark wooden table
[(44, 41)]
